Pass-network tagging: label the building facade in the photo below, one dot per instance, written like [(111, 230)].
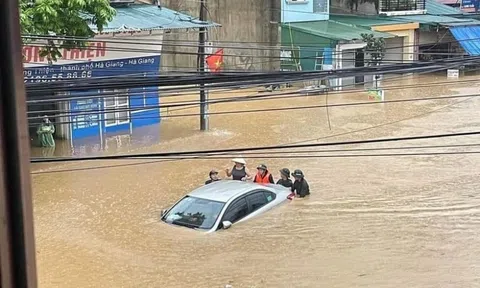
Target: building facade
[(249, 29), (129, 46)]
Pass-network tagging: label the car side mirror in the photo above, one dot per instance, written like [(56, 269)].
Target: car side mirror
[(226, 224), (164, 211)]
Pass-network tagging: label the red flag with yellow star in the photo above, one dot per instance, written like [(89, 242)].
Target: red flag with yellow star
[(215, 61)]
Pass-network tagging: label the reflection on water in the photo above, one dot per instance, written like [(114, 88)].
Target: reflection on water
[(369, 222)]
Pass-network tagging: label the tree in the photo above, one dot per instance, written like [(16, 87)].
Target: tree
[(376, 50), (64, 19)]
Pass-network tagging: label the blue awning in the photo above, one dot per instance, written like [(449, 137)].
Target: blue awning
[(468, 37)]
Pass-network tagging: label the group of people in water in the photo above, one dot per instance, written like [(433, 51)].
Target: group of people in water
[(240, 172)]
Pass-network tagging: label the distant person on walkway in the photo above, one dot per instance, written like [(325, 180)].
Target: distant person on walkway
[(285, 178), (300, 187), (239, 171), (45, 133), (263, 176), (213, 177)]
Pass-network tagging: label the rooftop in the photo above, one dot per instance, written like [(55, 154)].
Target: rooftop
[(335, 30), (436, 8), (434, 19), (365, 21), (145, 17), (224, 190)]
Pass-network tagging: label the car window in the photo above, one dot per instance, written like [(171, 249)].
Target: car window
[(236, 211), (270, 196), (194, 213), (257, 200)]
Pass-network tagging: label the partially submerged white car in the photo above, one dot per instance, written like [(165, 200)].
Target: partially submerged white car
[(223, 203)]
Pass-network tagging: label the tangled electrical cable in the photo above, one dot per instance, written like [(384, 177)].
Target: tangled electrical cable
[(211, 153), (143, 162), (243, 111), (250, 78)]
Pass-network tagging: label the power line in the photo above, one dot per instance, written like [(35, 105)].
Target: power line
[(188, 90), (291, 108), (204, 152), (284, 144), (193, 44), (256, 78), (328, 156), (263, 157)]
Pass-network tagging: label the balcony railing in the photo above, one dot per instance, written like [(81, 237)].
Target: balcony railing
[(406, 6)]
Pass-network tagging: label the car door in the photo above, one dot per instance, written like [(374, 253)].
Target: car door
[(258, 199), (237, 210)]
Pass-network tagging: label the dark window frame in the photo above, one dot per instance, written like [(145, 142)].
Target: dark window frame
[(250, 206), (248, 203), (243, 197)]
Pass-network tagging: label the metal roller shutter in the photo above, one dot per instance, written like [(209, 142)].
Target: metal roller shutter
[(393, 50)]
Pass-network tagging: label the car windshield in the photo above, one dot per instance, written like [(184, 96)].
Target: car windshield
[(194, 212)]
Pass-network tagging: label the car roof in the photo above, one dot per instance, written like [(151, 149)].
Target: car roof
[(225, 190)]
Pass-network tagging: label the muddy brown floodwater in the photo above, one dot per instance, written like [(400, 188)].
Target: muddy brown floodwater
[(370, 222)]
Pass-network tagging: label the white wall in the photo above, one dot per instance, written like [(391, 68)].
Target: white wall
[(393, 50), (103, 47)]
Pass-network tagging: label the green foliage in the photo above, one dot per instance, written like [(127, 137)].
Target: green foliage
[(375, 48), (63, 18)]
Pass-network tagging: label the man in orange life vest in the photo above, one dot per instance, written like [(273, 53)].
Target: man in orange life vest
[(263, 176)]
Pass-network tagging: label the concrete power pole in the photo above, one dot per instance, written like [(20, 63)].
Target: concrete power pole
[(201, 69)]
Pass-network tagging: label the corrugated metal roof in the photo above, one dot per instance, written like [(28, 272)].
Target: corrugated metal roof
[(433, 19), (335, 30), (469, 38), (435, 8), (365, 21), (142, 17)]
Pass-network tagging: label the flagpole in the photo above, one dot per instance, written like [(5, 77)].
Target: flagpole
[(201, 69)]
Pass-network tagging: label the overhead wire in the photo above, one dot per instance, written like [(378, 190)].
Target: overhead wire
[(224, 79), (194, 44), (188, 88), (142, 162), (267, 97), (272, 95), (257, 148), (230, 112)]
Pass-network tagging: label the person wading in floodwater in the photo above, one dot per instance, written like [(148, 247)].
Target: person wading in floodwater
[(213, 177), (300, 187), (263, 176), (285, 178), (45, 133), (239, 171)]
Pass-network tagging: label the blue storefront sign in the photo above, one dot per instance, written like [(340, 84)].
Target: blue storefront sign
[(470, 4), (88, 112)]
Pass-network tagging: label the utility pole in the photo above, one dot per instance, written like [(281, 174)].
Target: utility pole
[(201, 69), (17, 242)]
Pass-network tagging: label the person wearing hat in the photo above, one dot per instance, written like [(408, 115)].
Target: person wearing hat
[(239, 171), (300, 186), (45, 133), (213, 177), (285, 178), (263, 176)]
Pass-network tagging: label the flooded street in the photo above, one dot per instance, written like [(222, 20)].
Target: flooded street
[(369, 222)]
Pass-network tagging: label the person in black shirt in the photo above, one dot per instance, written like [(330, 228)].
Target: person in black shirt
[(213, 177), (300, 186), (285, 178)]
